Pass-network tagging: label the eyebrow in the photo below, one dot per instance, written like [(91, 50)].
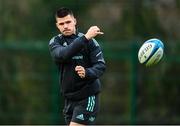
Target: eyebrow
[(61, 23)]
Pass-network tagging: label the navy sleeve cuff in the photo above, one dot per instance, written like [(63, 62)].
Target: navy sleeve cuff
[(84, 39)]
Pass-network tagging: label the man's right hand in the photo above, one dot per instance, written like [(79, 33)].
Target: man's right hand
[(92, 32)]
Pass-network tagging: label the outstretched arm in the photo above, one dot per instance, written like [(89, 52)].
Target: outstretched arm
[(61, 53)]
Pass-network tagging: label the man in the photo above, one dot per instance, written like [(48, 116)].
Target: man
[(80, 63)]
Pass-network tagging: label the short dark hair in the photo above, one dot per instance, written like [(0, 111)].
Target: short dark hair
[(62, 12)]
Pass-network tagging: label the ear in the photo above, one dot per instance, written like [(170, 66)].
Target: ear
[(75, 21), (56, 24)]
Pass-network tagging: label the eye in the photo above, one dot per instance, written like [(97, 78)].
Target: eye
[(60, 23), (68, 22)]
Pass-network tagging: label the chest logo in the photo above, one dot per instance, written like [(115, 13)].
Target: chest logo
[(77, 57)]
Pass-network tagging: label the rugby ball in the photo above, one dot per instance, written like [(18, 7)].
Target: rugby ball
[(151, 52)]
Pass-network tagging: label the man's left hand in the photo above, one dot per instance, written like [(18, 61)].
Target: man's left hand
[(80, 71)]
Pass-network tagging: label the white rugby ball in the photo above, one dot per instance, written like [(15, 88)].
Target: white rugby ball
[(151, 52)]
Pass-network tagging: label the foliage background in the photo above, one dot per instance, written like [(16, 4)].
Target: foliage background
[(131, 94)]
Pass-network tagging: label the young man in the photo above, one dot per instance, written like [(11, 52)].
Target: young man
[(80, 63)]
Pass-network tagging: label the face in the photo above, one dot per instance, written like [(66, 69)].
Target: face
[(66, 25)]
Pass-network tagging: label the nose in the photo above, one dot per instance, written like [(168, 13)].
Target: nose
[(65, 26)]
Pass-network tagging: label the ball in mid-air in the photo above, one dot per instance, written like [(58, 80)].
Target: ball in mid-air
[(151, 52)]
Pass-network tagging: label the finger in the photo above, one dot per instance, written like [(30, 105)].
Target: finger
[(81, 72), (80, 68), (100, 33), (82, 75), (94, 27), (77, 68)]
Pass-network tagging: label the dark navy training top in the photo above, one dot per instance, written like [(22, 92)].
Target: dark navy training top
[(75, 50)]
